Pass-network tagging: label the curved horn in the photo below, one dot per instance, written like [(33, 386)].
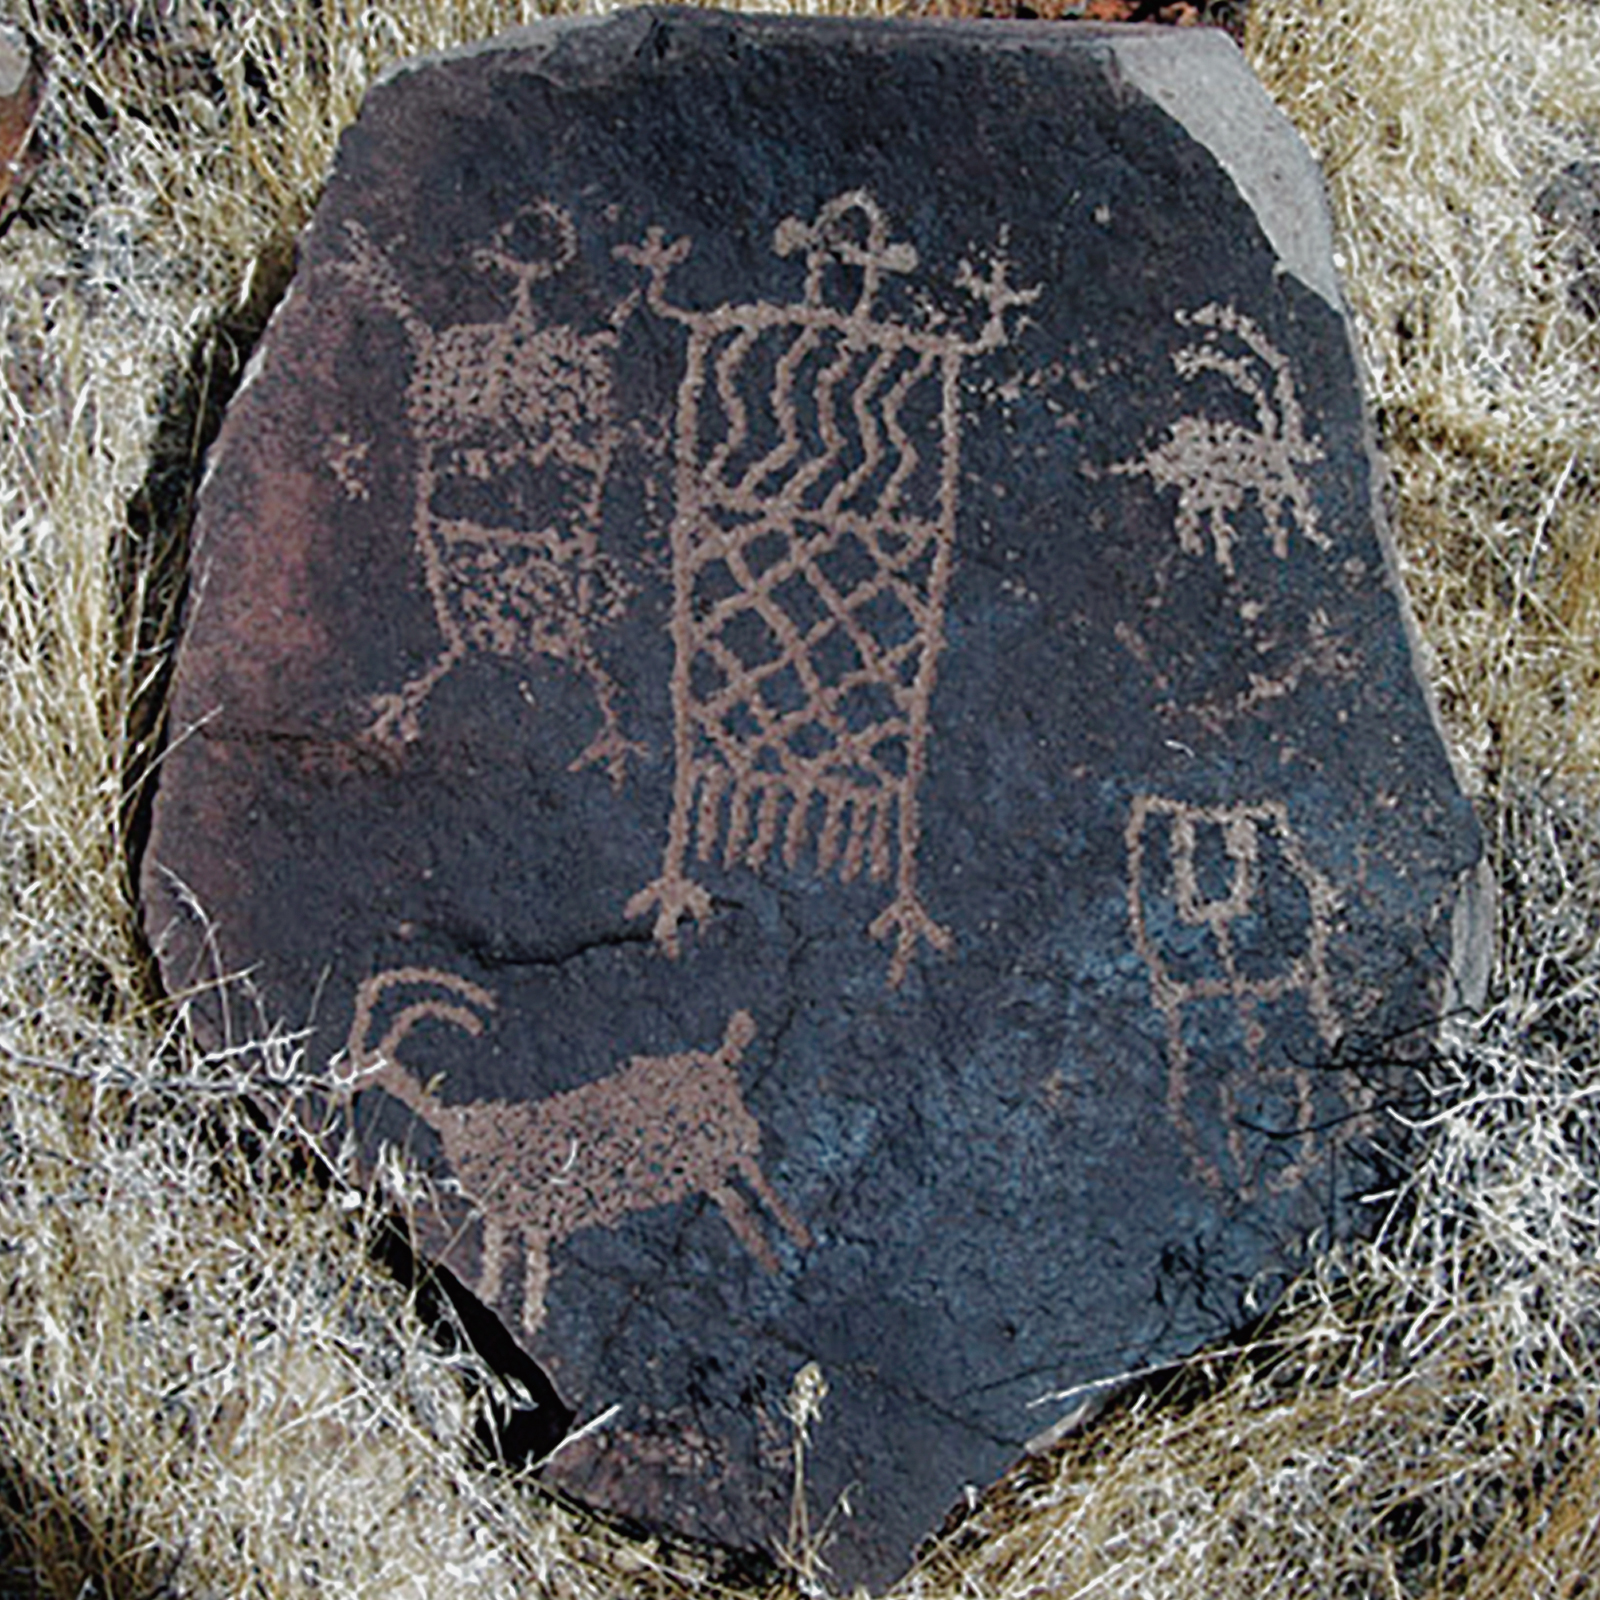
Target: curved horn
[(443, 997)]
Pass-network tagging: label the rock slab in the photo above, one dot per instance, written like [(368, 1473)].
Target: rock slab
[(793, 665)]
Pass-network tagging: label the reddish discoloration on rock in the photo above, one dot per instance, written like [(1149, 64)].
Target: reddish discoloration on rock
[(21, 93)]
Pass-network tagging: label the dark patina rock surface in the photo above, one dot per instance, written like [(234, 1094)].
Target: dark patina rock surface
[(791, 654)]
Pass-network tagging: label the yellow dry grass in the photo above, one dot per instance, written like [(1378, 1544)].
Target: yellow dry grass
[(1449, 135), (205, 1388)]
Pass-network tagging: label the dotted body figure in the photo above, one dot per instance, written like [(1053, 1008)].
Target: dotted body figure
[(1227, 910), (817, 449), (660, 1130), (513, 423)]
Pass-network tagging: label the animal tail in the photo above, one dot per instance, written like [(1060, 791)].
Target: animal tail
[(389, 1005), (741, 1030)]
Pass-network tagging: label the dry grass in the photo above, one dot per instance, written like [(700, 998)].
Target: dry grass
[(206, 1389), (1446, 132)]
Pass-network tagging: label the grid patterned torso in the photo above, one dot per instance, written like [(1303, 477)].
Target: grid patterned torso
[(817, 450)]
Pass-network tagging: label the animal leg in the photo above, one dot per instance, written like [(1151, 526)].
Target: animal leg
[(491, 1267), (609, 747), (535, 1280), (745, 1227), (787, 1220)]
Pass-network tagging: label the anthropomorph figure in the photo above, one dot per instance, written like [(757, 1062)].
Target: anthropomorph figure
[(513, 425), (816, 482), (1232, 922)]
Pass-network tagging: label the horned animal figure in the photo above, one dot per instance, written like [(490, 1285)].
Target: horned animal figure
[(659, 1130), (1216, 464)]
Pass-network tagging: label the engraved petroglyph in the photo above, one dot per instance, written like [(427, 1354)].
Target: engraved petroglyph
[(1319, 654), (817, 452), (347, 461), (513, 424), (1214, 464), (1226, 907), (660, 1130)]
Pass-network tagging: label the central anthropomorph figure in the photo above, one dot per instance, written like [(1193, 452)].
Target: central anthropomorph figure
[(817, 455)]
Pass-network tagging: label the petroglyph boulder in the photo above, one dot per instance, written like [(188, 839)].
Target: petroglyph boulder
[(793, 665)]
